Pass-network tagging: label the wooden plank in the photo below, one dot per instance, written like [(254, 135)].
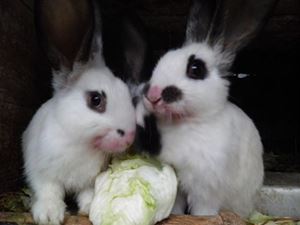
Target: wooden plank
[(224, 218)]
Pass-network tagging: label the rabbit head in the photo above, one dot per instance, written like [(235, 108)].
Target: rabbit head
[(90, 104), (190, 81)]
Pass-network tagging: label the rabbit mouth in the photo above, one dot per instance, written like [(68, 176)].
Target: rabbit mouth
[(112, 144), (171, 116), (165, 111)]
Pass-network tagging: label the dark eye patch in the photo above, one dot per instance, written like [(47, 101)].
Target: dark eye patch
[(96, 101), (196, 68)]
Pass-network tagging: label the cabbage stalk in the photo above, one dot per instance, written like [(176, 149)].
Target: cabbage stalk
[(135, 190)]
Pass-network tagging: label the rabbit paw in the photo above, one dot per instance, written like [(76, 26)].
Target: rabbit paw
[(84, 200), (48, 211)]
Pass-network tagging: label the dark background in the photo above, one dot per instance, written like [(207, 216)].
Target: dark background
[(270, 96)]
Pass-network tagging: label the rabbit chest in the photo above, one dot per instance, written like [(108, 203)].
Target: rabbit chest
[(75, 171), (52, 154), (211, 151)]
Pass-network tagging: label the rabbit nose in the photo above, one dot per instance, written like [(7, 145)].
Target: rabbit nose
[(121, 132), (154, 94)]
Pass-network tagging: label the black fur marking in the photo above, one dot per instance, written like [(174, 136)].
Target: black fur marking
[(148, 138), (171, 94), (196, 68), (135, 100)]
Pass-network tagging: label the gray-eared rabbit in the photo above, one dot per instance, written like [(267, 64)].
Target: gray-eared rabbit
[(213, 145), (90, 116)]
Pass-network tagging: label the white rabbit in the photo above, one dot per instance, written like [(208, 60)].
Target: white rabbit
[(90, 116), (213, 145)]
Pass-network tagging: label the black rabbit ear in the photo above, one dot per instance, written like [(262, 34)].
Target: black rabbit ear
[(135, 49), (200, 20), (236, 23), (126, 49), (65, 29)]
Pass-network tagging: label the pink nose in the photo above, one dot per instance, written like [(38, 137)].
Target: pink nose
[(154, 94)]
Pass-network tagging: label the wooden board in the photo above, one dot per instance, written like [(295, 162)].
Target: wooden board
[(224, 218)]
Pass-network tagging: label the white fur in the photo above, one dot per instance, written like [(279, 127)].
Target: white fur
[(214, 147), (57, 144)]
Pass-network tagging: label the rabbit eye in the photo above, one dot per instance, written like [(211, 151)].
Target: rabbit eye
[(196, 68), (96, 101)]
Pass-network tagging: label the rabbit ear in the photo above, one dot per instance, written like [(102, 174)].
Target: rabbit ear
[(126, 49), (200, 20), (136, 50), (236, 22), (65, 29)]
